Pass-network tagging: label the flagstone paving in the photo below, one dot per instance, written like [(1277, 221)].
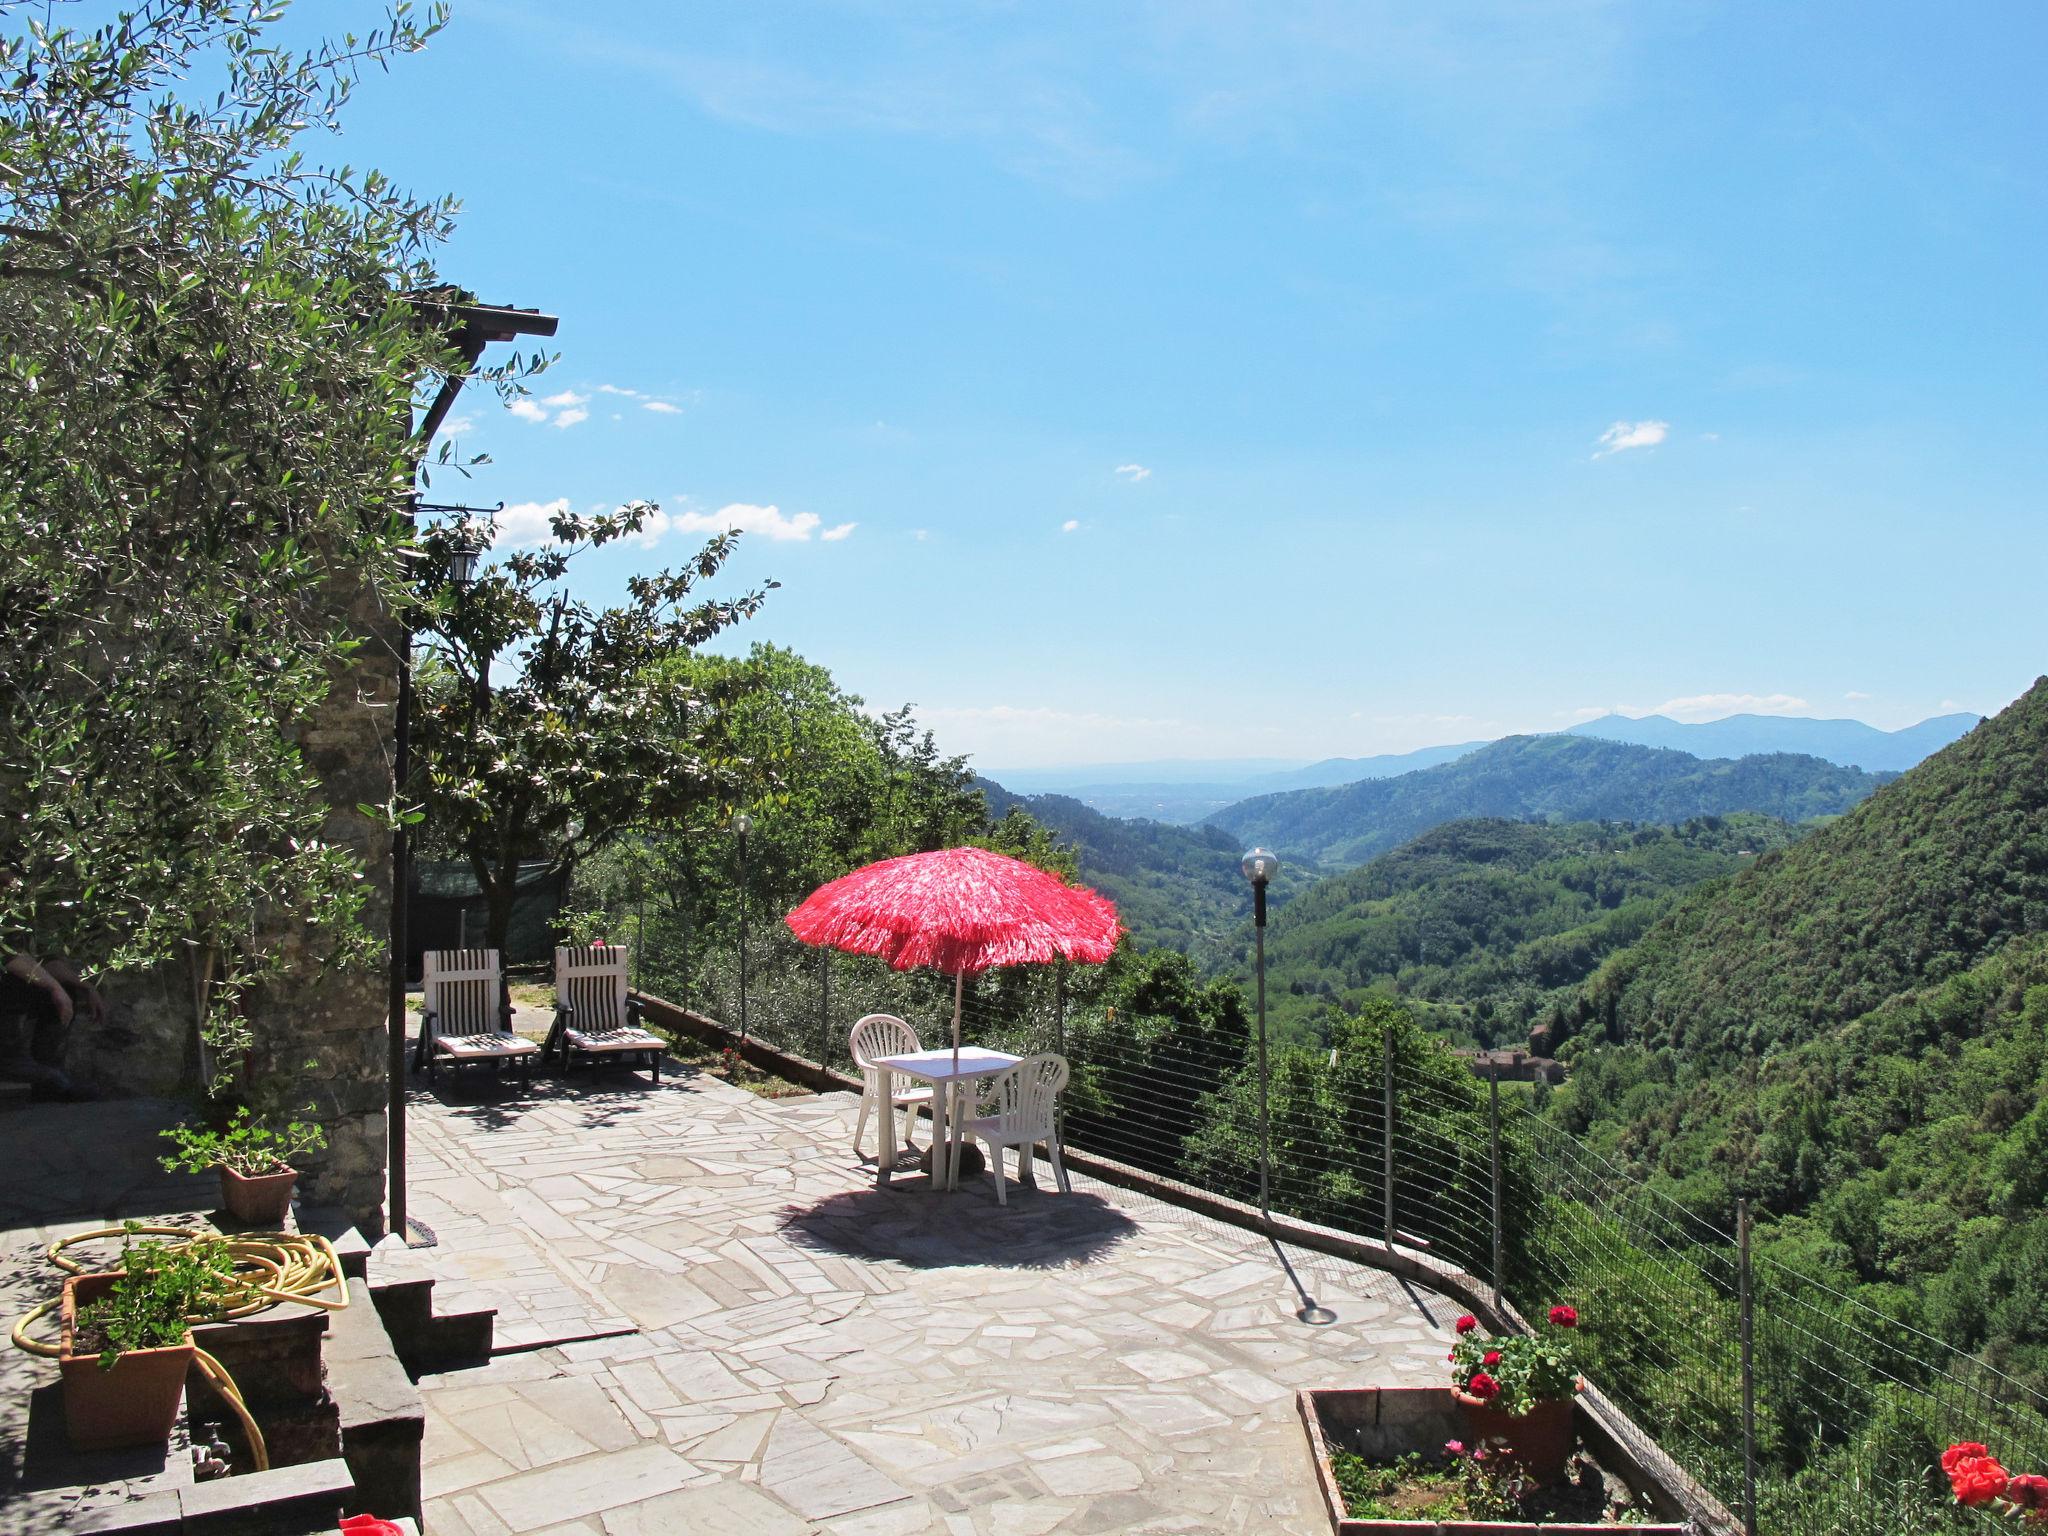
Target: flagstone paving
[(770, 1345)]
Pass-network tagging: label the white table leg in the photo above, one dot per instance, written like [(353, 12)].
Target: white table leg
[(953, 1151), (940, 1138)]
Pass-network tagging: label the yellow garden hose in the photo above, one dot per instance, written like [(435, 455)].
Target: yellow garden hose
[(270, 1268)]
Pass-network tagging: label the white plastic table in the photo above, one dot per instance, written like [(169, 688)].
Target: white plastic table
[(945, 1073)]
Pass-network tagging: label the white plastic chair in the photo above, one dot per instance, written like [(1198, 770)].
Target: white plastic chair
[(1024, 1102), (883, 1034), (466, 1020)]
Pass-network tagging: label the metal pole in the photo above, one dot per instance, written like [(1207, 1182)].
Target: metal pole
[(1387, 1135), (639, 924), (1493, 1143), (824, 1007), (743, 937), (1265, 1123), (1748, 1306), (401, 880)]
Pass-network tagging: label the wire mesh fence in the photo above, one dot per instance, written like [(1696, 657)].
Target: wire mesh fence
[(1830, 1419)]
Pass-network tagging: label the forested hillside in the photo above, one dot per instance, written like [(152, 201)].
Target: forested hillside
[(1949, 862), (1556, 778), (1490, 918), (1177, 887), (1854, 1035)]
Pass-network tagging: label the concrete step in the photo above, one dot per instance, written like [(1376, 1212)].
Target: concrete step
[(382, 1416), (286, 1501), (429, 1340)]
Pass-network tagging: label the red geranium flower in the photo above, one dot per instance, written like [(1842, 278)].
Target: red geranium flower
[(1978, 1480), (1492, 1359), (1958, 1451), (1485, 1388), (1565, 1317), (2029, 1490), (1467, 1323)]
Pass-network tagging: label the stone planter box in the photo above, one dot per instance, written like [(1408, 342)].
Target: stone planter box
[(1391, 1421)]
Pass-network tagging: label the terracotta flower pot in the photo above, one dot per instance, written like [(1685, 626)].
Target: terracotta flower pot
[(260, 1201), (135, 1401), (1539, 1441)]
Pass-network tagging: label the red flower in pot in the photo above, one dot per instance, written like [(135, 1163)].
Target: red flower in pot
[(1519, 1389)]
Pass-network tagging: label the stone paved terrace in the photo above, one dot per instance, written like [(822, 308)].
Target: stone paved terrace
[(790, 1350)]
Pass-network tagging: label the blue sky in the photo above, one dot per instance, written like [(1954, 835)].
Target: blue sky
[(1203, 379)]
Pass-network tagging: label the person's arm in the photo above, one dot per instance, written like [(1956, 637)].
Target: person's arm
[(30, 970)]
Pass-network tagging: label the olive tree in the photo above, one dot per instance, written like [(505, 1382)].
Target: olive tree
[(209, 354)]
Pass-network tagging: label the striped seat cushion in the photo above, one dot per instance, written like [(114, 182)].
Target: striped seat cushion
[(626, 1039), (482, 1044)]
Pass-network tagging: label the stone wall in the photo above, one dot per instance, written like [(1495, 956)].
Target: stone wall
[(320, 1033)]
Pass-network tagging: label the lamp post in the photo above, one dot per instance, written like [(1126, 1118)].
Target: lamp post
[(1259, 867), (742, 824)]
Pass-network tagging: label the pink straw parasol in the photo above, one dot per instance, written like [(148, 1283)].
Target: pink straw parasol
[(961, 911)]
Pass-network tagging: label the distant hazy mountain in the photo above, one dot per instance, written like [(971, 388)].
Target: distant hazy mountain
[(1559, 778), (1174, 886), (1188, 792), (1850, 742)]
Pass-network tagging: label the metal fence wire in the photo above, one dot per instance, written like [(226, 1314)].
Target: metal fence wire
[(1801, 1410)]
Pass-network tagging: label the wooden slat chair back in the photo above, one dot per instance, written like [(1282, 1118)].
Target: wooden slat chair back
[(465, 1017), (596, 1016)]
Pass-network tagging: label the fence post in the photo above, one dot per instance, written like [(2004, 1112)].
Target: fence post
[(1493, 1146), (824, 1007), (1387, 1136), (1747, 1302)]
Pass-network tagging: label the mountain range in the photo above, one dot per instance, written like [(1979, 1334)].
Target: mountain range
[(1545, 778), (1191, 790), (1848, 742)]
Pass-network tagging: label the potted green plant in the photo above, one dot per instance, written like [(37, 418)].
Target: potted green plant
[(127, 1339), (1517, 1392), (254, 1158)]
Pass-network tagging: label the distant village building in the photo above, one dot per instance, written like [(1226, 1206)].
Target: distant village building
[(1514, 1066)]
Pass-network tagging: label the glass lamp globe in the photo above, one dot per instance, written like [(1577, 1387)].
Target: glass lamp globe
[(1259, 866), (461, 564), (743, 823)]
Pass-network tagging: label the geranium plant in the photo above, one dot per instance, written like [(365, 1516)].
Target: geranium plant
[(1514, 1374), (161, 1291), (248, 1148), (1978, 1481)]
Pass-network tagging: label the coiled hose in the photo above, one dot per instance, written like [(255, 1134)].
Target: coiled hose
[(270, 1267)]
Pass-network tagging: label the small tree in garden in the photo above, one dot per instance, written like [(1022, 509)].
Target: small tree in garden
[(596, 733), (208, 360)]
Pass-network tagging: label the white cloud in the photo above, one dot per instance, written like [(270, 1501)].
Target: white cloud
[(566, 397), (460, 426), (1856, 696), (528, 522), (570, 417), (1624, 435), (838, 531), (922, 534), (768, 522), (661, 407), (614, 389), (527, 410), (1131, 474), (1710, 437), (1070, 525)]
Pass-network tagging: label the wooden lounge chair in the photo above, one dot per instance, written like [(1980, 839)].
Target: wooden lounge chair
[(468, 1018), (594, 1017)]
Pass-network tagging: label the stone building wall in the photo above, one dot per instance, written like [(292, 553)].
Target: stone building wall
[(320, 1032)]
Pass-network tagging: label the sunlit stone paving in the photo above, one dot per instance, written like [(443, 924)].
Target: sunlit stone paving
[(768, 1344)]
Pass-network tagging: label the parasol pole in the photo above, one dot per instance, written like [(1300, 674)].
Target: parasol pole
[(959, 980)]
